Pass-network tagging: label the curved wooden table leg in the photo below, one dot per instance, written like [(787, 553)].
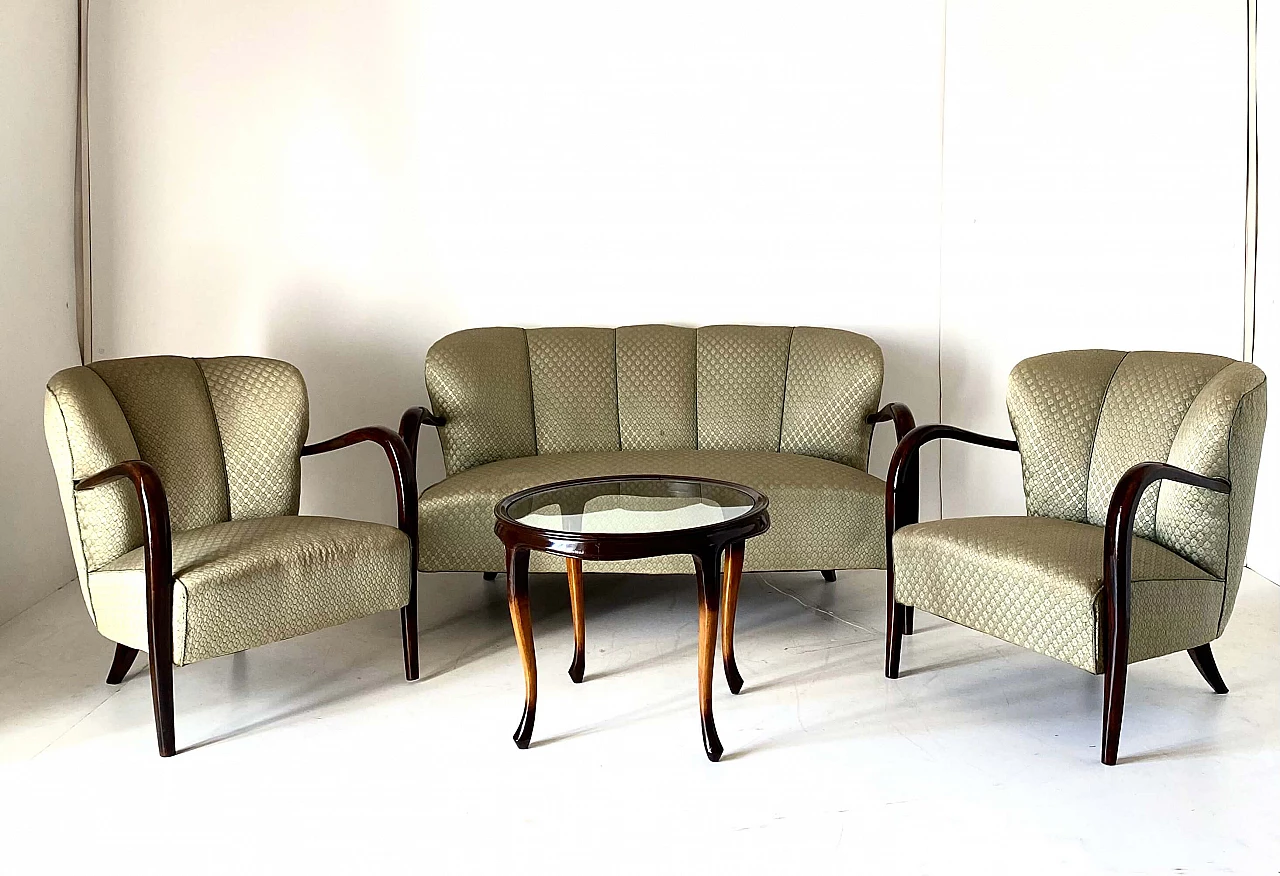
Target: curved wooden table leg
[(708, 567), (522, 625), (579, 664), (729, 613), (124, 660)]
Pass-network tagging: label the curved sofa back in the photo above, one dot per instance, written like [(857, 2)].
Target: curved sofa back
[(511, 392)]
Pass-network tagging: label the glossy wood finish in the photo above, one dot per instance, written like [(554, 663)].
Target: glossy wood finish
[(411, 423), (707, 565), (729, 613), (829, 575), (705, 544), (1202, 657), (157, 559), (902, 508), (404, 471), (522, 625), (1117, 568), (573, 567), (122, 663)]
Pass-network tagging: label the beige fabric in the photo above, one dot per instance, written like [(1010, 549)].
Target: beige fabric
[(833, 385), (261, 410), (574, 379), (1037, 582), (825, 515), (742, 378), (657, 387), (478, 380), (246, 583), (166, 402)]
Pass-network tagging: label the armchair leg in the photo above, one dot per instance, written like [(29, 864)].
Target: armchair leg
[(893, 645), (1202, 657), (124, 661), (908, 620), (1115, 678), (829, 575), (162, 701), (409, 630), (491, 576)]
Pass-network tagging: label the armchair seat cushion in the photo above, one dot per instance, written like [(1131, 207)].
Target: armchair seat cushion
[(245, 583), (1037, 582), (825, 515)]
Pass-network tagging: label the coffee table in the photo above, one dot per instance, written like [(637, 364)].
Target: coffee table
[(629, 518)]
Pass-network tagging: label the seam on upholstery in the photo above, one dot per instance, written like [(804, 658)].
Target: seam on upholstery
[(75, 506), (217, 429), (786, 382), (617, 392), (123, 416), (697, 386), (1097, 424), (1226, 563), (533, 414)]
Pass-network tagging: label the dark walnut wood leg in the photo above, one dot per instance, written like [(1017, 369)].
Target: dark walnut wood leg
[(1116, 676), (522, 625), (1202, 657), (578, 666), (908, 620), (121, 664), (729, 613), (491, 576), (162, 701), (829, 575), (893, 644), (409, 629), (708, 568)]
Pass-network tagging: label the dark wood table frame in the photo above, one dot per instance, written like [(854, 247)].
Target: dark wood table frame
[(706, 544)]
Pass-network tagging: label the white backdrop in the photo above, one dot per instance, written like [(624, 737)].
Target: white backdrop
[(341, 183)]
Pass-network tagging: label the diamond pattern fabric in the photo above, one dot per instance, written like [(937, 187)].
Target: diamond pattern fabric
[(657, 387), (825, 515), (574, 380), (246, 583), (1037, 582), (478, 381), (833, 385), (742, 378), (166, 402), (261, 410)]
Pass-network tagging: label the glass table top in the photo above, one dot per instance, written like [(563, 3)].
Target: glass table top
[(629, 505)]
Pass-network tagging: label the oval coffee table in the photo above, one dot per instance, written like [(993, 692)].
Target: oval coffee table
[(628, 518)]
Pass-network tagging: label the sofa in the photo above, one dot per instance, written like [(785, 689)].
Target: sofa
[(788, 411)]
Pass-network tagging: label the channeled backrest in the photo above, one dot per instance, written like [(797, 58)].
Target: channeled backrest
[(510, 392), (223, 434), (1084, 417)]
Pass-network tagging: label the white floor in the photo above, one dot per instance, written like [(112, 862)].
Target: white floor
[(314, 754)]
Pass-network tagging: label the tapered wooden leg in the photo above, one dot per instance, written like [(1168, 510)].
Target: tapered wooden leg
[(829, 575), (729, 614), (491, 576), (893, 643), (1116, 677), (522, 625), (1202, 657), (579, 665), (121, 664), (908, 620), (162, 702), (409, 630), (708, 567)]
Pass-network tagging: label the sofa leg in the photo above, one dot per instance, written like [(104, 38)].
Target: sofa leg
[(829, 575), (409, 631), (1202, 657), (124, 660), (893, 645), (491, 576)]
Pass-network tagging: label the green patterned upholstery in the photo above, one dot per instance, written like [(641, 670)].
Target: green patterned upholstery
[(779, 409), (225, 436), (1082, 419)]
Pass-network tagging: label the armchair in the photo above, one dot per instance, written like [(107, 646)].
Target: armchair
[(206, 555), (1139, 472)]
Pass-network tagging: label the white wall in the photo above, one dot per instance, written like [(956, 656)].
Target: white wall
[(1093, 190), (37, 285), (342, 183)]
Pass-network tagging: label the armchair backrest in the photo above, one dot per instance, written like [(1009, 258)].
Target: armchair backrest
[(1084, 417), (223, 434), (510, 392)]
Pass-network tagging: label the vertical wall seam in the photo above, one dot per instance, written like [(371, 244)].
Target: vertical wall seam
[(942, 171)]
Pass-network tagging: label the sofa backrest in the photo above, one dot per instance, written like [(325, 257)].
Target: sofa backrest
[(1084, 417), (511, 392), (223, 434)]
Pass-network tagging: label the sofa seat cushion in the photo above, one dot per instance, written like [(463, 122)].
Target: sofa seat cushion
[(1037, 582), (250, 582), (825, 515)]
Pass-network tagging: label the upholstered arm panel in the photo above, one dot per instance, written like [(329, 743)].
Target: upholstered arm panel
[(833, 385), (260, 406), (478, 381)]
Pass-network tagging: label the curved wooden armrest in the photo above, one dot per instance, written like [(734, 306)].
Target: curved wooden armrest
[(402, 468), (899, 413), (411, 426), (902, 488), (151, 496)]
